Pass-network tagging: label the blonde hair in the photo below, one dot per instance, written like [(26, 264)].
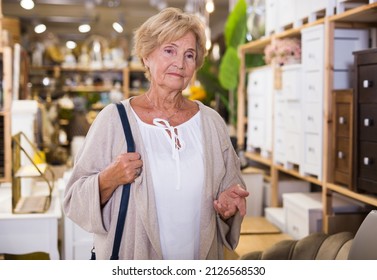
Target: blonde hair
[(167, 26)]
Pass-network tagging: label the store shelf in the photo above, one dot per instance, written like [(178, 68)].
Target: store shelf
[(368, 199), (87, 89), (258, 158), (255, 47), (296, 174), (364, 13)]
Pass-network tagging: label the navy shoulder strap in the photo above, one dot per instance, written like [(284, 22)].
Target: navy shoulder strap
[(126, 188)]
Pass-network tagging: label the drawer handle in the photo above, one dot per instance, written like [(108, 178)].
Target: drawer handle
[(367, 84), (256, 105), (367, 161), (342, 120), (310, 118), (255, 128), (340, 155), (311, 149), (311, 55), (311, 87), (368, 122)]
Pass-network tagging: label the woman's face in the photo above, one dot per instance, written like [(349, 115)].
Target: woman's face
[(173, 64)]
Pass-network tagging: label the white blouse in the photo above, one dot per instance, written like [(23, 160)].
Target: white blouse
[(176, 158)]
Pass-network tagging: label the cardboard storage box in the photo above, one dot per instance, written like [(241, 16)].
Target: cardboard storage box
[(303, 212)]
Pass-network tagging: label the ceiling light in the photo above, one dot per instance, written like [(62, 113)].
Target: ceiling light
[(84, 28), (118, 27), (40, 28), (27, 4), (71, 45), (210, 6), (46, 81)]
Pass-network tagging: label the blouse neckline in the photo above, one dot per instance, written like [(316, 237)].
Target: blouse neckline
[(158, 127)]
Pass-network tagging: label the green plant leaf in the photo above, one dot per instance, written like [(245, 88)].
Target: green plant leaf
[(208, 77), (235, 26), (254, 60), (229, 68)]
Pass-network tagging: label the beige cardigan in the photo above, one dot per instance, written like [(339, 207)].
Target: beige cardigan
[(104, 141)]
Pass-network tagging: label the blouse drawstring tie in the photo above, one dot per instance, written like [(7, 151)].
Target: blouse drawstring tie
[(175, 142)]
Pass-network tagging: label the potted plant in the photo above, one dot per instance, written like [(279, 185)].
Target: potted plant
[(235, 35)]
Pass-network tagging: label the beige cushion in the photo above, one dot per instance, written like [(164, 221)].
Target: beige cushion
[(316, 246)]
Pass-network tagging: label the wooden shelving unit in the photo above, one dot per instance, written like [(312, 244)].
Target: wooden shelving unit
[(57, 72), (363, 16)]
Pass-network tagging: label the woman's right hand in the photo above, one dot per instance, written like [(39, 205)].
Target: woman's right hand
[(124, 169)]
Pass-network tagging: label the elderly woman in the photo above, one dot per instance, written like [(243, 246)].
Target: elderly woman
[(187, 194)]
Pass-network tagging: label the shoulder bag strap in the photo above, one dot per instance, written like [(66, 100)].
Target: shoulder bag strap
[(126, 187)]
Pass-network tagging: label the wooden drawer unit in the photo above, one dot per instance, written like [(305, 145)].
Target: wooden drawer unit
[(365, 121), (342, 136), (367, 83), (367, 161), (368, 121)]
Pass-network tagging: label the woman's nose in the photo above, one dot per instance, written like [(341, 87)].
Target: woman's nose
[(179, 62)]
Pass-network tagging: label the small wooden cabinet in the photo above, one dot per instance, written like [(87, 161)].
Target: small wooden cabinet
[(365, 122), (342, 136)]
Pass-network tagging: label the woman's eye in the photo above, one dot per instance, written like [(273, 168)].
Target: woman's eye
[(190, 56), (169, 51)]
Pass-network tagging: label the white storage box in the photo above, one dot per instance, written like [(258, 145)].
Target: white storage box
[(285, 185), (347, 41), (275, 215), (303, 212), (343, 5), (253, 178)]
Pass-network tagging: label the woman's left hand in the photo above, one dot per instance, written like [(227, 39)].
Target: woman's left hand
[(230, 201)]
